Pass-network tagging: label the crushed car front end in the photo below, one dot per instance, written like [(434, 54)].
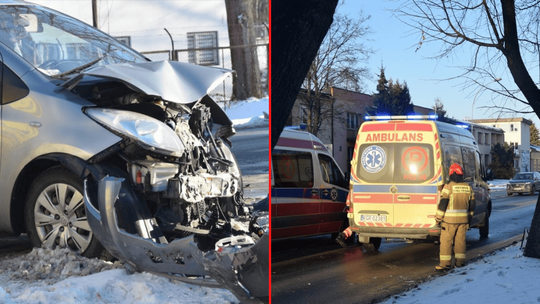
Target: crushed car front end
[(168, 198)]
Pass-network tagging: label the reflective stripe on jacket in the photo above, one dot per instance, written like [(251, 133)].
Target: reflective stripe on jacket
[(454, 207)]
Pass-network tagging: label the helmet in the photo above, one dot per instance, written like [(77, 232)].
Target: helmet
[(456, 168)]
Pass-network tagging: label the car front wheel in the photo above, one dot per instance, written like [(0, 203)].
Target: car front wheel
[(55, 215)]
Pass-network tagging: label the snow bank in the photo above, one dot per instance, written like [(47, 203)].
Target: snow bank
[(252, 113), (61, 276), (505, 276)]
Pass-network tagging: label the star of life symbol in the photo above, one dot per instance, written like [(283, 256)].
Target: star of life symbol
[(373, 159), (334, 194)]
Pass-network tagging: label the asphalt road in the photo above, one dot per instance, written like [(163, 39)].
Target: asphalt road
[(316, 270), (250, 146)]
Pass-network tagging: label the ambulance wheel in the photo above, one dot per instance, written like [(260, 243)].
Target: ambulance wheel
[(373, 245), (484, 230)]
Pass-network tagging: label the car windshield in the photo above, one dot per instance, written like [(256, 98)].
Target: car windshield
[(55, 43), (523, 176)]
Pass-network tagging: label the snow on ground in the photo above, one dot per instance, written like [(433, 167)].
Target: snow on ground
[(504, 276), (252, 113), (60, 276)]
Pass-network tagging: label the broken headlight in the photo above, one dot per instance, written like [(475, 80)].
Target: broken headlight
[(151, 133)]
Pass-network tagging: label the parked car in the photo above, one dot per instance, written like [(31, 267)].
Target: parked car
[(524, 182), (106, 153)]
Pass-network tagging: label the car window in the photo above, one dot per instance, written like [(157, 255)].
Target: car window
[(13, 88), (330, 171), (469, 164), (292, 169), (56, 43)]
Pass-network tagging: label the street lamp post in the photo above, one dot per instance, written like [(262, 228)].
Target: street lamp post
[(474, 101)]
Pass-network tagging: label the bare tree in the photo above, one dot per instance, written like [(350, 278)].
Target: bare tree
[(504, 37), (241, 24), (298, 30), (336, 64)]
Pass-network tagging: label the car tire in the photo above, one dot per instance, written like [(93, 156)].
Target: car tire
[(55, 215), (373, 245), (509, 193), (484, 230)]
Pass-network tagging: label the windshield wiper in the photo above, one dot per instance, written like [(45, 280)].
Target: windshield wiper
[(78, 69)]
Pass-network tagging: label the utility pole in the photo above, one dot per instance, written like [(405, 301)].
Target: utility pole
[(94, 13)]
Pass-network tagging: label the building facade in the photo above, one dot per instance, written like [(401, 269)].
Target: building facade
[(516, 134), (339, 129)]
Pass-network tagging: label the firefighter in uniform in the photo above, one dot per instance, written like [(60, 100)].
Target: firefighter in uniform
[(454, 213)]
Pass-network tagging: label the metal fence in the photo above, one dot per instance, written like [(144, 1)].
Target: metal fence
[(217, 57)]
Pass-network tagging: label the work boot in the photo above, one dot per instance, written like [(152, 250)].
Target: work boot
[(442, 268), (460, 264), (341, 239)]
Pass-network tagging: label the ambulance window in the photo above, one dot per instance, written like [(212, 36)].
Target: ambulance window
[(375, 163), (330, 171), (292, 169), (413, 163), (452, 154), (469, 164)]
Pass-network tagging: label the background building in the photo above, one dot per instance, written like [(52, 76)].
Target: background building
[(516, 134)]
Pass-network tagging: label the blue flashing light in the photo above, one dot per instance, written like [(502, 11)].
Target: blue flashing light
[(463, 126), (433, 116)]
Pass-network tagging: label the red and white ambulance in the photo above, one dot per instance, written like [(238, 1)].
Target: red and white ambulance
[(398, 169), (309, 190)]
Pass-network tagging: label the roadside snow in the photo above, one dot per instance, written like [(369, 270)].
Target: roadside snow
[(252, 113), (61, 276), (504, 276)]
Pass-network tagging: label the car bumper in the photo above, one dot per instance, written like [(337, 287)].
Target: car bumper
[(242, 268)]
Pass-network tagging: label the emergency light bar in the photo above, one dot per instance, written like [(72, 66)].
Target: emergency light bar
[(400, 117)]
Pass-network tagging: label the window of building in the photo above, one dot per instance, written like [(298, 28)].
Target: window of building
[(480, 138), (352, 120), (206, 48)]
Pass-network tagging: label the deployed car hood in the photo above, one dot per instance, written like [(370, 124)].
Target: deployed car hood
[(172, 81)]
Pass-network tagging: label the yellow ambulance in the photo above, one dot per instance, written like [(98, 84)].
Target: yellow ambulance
[(398, 169)]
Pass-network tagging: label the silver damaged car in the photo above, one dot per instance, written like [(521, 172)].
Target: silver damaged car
[(108, 153)]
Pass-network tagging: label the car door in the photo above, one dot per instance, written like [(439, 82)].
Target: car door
[(333, 194)]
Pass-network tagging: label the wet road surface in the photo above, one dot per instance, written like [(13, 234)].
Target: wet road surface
[(316, 270)]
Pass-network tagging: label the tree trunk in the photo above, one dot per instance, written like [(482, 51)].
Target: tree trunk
[(532, 248), (298, 29), (531, 92), (241, 25)]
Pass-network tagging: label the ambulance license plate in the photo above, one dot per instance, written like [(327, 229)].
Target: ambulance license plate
[(373, 218)]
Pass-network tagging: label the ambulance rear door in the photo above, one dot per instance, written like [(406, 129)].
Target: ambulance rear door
[(395, 174)]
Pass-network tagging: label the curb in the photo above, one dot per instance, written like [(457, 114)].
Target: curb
[(478, 253)]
